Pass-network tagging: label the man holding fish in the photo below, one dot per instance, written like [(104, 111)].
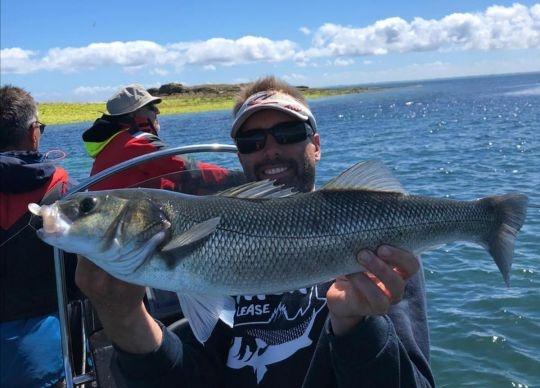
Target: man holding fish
[(354, 331)]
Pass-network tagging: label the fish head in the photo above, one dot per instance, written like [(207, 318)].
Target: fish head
[(116, 233)]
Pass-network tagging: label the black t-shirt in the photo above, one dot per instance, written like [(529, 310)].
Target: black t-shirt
[(276, 334), (286, 340)]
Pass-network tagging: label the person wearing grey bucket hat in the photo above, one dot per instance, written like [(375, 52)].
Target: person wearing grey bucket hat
[(130, 129), (129, 99), (133, 104)]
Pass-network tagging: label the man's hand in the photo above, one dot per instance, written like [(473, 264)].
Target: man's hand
[(120, 308), (353, 297)]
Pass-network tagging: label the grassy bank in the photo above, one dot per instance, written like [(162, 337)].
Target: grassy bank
[(66, 113)]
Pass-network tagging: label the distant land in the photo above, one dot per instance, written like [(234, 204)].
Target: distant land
[(177, 98), (230, 90)]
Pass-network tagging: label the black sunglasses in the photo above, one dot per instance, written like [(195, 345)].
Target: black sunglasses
[(284, 133), (152, 108), (41, 126)]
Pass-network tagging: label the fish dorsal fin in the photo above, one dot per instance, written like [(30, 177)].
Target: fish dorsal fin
[(370, 175), (258, 190), (204, 311), (193, 235)]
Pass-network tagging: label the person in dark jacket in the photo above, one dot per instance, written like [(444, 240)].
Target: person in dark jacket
[(366, 329), (130, 129), (30, 350)]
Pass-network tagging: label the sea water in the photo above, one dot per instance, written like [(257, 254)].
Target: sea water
[(458, 138)]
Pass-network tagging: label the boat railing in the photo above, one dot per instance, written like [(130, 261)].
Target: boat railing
[(71, 379)]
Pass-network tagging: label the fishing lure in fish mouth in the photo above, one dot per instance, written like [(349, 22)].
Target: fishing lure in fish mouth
[(260, 239), (53, 222)]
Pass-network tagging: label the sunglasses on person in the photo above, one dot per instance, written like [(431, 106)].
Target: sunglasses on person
[(284, 133), (152, 108), (41, 126)]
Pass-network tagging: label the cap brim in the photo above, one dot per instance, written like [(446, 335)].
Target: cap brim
[(138, 105), (240, 120)]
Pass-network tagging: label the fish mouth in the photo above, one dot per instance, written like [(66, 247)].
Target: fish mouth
[(54, 225), (48, 236)]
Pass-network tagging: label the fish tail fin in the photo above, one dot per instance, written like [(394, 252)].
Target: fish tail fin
[(510, 211)]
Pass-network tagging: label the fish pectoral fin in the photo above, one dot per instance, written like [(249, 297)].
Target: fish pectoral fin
[(370, 175), (204, 311), (258, 190), (193, 235)]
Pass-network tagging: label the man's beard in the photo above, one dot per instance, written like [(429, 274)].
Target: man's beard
[(303, 179)]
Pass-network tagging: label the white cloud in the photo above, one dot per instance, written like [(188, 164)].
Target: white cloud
[(515, 27), (130, 55), (294, 77), (88, 93), (92, 91), (16, 60), (343, 61), (498, 27), (126, 54), (159, 71), (134, 56), (232, 52), (97, 92)]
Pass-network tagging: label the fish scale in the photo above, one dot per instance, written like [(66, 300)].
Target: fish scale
[(288, 243)]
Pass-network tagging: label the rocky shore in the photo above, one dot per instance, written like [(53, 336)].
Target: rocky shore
[(230, 90)]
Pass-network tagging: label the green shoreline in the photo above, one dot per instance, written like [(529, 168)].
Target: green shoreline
[(53, 113)]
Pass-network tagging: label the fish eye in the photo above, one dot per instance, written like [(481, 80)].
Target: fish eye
[(87, 205)]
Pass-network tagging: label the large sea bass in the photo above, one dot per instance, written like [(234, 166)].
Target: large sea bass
[(258, 238)]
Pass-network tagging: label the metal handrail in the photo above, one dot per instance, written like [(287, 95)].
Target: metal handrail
[(147, 157), (61, 296), (59, 254)]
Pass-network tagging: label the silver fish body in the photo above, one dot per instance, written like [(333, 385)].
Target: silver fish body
[(288, 243), (259, 239)]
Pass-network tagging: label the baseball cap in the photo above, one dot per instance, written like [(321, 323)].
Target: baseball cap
[(271, 99), (129, 99)]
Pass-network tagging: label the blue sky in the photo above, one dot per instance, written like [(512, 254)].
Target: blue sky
[(83, 50)]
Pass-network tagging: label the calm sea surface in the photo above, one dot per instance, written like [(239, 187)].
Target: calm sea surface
[(461, 138)]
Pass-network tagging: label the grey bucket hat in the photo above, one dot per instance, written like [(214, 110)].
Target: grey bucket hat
[(129, 99)]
